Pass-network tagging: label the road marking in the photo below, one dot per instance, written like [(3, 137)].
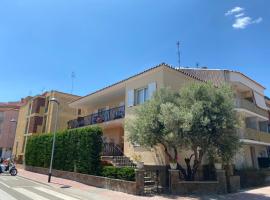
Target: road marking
[(56, 194), (30, 194), (8, 178), (4, 196), (4, 184)]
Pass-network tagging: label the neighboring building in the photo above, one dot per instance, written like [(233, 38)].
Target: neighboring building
[(38, 116), (251, 105), (8, 121), (110, 106)]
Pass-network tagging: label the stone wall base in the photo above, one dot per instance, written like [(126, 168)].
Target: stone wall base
[(129, 187)]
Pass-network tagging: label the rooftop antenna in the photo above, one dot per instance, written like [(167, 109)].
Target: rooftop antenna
[(178, 53), (72, 81)]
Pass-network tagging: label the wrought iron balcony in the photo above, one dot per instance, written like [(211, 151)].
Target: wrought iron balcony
[(96, 118)]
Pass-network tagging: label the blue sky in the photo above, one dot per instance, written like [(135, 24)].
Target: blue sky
[(104, 41)]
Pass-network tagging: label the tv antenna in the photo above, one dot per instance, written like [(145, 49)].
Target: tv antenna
[(73, 76), (178, 52)]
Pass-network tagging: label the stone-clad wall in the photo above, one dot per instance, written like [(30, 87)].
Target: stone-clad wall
[(198, 187), (129, 187)]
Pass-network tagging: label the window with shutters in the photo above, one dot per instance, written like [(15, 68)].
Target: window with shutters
[(141, 95)]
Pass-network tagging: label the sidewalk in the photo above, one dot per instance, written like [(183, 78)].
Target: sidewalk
[(262, 193), (55, 182), (92, 191)]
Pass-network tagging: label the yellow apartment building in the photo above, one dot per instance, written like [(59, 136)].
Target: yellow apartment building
[(38, 116), (111, 106)]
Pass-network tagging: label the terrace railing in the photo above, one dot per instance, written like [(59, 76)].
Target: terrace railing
[(248, 105), (96, 118)]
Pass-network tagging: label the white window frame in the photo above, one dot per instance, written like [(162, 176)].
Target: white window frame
[(145, 95)]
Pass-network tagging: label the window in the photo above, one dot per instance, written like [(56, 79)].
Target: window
[(79, 111), (141, 95)]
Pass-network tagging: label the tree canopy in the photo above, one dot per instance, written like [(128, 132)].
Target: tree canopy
[(200, 117)]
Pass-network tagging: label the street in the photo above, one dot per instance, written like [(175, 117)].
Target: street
[(18, 188), (27, 188)]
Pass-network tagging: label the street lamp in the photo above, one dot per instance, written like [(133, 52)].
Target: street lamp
[(53, 99)]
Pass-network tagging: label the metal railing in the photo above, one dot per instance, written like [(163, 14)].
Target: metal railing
[(100, 117), (112, 149), (248, 105)]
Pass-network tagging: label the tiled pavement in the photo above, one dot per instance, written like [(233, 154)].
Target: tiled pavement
[(103, 194)]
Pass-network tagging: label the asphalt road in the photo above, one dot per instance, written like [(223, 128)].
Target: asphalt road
[(18, 188)]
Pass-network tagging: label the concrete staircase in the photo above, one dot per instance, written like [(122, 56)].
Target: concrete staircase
[(150, 187)]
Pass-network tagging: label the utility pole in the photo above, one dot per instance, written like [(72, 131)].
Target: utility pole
[(178, 53)]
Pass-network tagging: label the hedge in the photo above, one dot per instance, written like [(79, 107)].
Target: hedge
[(77, 150), (123, 173)]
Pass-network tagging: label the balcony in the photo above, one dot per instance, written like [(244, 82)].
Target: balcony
[(250, 106), (253, 134), (96, 118)]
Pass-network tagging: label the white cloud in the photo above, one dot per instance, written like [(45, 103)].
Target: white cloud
[(257, 21), (239, 15), (234, 10), (243, 22)]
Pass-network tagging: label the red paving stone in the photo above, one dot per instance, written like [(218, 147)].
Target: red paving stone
[(253, 194)]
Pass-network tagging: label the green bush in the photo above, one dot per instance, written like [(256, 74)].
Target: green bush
[(75, 150), (250, 177), (123, 173)]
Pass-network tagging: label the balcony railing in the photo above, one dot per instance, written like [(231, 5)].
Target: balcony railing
[(253, 134), (96, 118), (248, 105)]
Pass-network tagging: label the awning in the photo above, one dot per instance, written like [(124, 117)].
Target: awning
[(247, 141)]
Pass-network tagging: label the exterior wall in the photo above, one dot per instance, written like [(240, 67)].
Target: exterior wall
[(8, 129), (149, 156), (164, 77), (65, 113), (243, 158), (108, 104), (41, 117), (21, 128), (115, 135)]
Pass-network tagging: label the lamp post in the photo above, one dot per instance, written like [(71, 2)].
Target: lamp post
[(53, 99), (14, 121)]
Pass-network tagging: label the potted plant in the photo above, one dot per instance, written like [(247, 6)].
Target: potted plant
[(173, 164), (218, 163), (138, 160)]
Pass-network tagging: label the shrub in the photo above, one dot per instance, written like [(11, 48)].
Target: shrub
[(250, 177), (75, 150), (123, 173)]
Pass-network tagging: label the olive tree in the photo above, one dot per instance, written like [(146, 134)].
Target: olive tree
[(200, 117)]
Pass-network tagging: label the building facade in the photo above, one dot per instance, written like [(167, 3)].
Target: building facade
[(8, 122), (111, 106), (39, 115)]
